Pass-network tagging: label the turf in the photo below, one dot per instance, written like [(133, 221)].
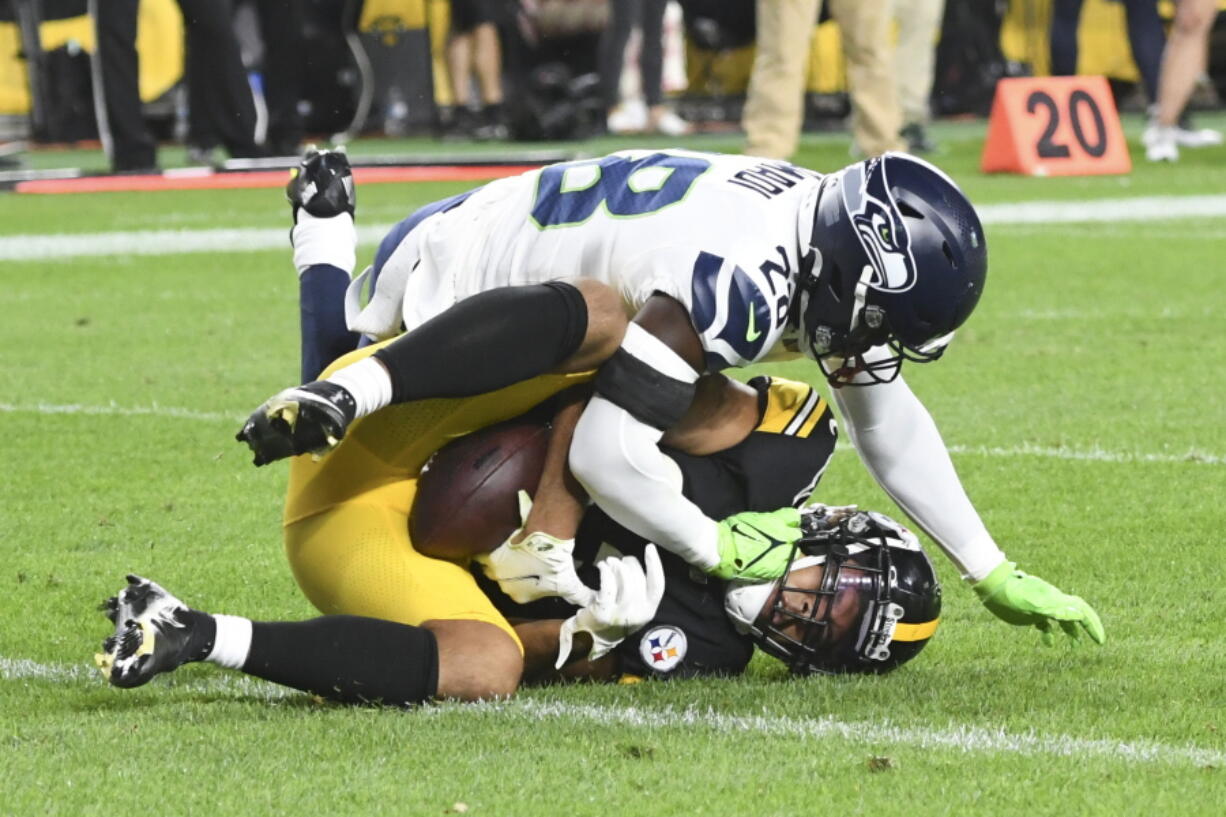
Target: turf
[(1084, 402)]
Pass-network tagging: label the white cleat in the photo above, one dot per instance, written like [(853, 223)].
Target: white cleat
[(1190, 137), (669, 123), (629, 117), (1160, 143)]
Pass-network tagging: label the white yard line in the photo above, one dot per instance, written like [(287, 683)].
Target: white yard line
[(113, 410), (958, 737), (1096, 454), (23, 669), (36, 247), (1137, 208), (1089, 455), (39, 247), (954, 737)]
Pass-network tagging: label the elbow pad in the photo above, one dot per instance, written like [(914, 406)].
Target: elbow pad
[(644, 388), (648, 380)]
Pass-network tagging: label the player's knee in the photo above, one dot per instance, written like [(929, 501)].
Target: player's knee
[(1193, 19), (476, 660)]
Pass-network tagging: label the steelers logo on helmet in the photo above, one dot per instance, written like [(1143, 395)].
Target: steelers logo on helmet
[(880, 227), (663, 648)]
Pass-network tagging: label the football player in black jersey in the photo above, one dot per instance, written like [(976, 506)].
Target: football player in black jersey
[(705, 626), (764, 446), (859, 596), (727, 261)]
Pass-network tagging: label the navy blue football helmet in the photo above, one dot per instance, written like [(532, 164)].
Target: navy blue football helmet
[(897, 259)]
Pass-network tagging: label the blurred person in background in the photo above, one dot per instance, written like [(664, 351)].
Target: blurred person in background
[(919, 22), (221, 109), (282, 31), (774, 105), (632, 117), (1145, 37), (1183, 62), (474, 47)]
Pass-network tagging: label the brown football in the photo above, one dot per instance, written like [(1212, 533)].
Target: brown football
[(466, 496)]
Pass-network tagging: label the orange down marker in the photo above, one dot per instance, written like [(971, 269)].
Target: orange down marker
[(1055, 126)]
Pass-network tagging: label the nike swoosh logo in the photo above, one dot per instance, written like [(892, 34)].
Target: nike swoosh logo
[(749, 531), (752, 333), (529, 577)]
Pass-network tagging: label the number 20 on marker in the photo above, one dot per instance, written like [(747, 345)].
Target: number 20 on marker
[(1055, 126)]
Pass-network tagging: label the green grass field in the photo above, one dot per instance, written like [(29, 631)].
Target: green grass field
[(1085, 404)]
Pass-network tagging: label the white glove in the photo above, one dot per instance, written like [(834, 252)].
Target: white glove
[(627, 600), (539, 566)]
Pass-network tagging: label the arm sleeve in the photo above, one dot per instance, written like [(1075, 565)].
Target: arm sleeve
[(903, 450), (618, 461)]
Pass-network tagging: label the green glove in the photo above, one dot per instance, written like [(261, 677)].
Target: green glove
[(1026, 600), (756, 545)]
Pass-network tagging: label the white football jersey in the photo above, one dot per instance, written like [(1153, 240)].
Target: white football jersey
[(722, 234)]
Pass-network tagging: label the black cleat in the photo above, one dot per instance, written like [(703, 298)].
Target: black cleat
[(153, 634), (307, 419), (111, 608), (917, 139), (322, 184)]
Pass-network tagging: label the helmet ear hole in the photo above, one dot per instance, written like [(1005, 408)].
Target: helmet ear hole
[(909, 211), (949, 253)]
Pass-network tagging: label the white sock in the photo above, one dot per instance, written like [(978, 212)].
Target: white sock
[(232, 642), (368, 382), (332, 241)]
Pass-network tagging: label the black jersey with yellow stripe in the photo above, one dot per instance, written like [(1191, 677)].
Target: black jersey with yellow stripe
[(776, 465)]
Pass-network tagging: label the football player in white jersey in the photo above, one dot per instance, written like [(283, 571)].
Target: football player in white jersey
[(723, 261)]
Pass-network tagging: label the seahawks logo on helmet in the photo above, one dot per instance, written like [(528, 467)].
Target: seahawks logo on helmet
[(879, 226)]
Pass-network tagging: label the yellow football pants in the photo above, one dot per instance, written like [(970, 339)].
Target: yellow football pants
[(347, 514)]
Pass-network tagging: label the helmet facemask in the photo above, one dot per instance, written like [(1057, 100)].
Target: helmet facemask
[(847, 622), (843, 355)]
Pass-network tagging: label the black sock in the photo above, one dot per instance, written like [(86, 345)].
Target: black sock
[(347, 658), (492, 113), (487, 341)]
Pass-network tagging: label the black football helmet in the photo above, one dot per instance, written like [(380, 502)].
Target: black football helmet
[(897, 258), (877, 605)]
